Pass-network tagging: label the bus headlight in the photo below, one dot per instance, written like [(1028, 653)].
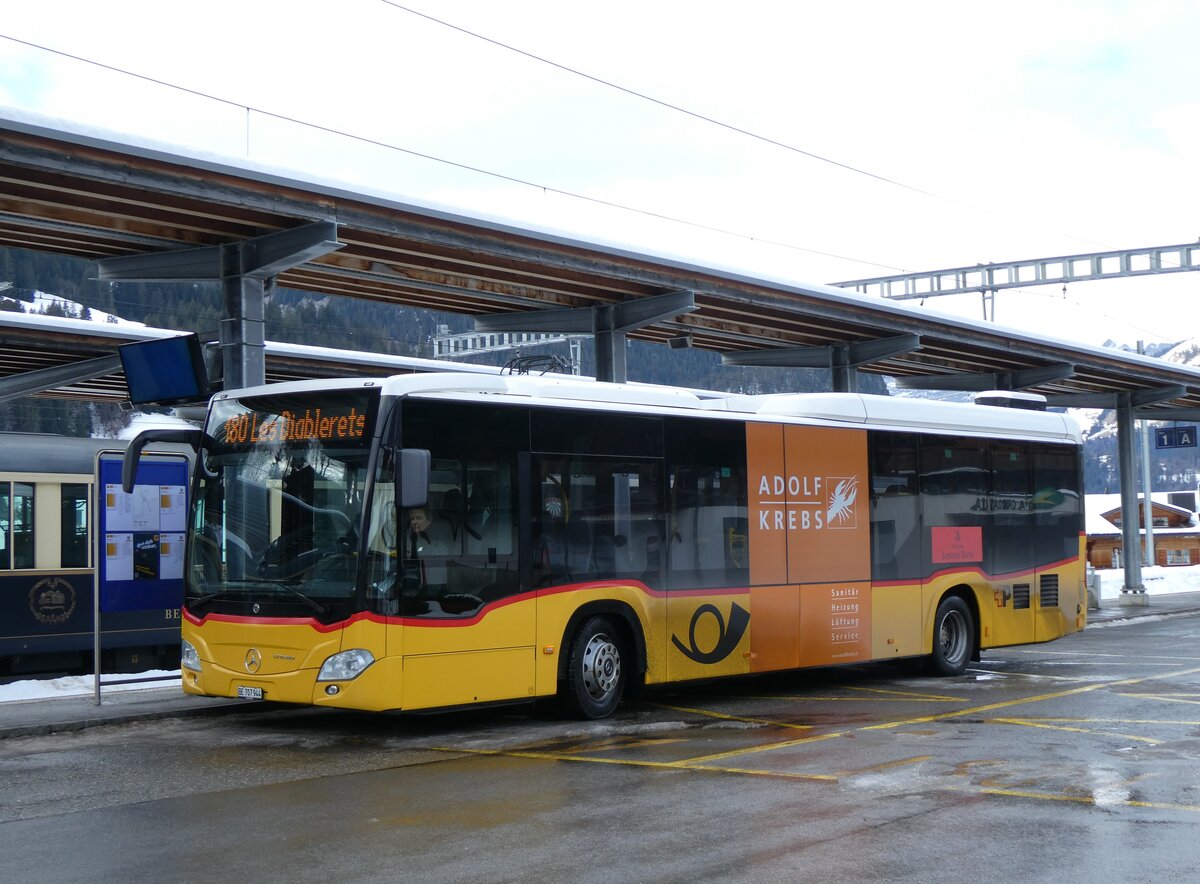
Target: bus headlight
[(346, 665), (188, 658)]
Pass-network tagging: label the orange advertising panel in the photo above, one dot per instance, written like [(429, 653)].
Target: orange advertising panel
[(768, 510), (835, 623), (807, 493), (775, 631)]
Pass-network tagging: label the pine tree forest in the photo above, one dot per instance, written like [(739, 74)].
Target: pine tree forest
[(347, 323)]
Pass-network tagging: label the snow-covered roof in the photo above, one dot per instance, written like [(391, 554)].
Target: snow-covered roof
[(1096, 505)]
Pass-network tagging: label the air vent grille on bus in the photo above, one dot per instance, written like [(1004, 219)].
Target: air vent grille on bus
[(1049, 590), (1021, 595)]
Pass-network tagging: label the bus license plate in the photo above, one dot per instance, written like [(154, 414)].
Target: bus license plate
[(246, 693)]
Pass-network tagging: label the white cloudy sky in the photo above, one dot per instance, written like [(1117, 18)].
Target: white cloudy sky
[(980, 131)]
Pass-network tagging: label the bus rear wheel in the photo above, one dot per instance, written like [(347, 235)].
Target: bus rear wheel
[(596, 670), (953, 637)]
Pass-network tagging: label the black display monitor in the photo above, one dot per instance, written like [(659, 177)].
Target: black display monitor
[(169, 371)]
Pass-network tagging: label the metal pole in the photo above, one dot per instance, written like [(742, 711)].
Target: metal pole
[(1133, 594), (1147, 504)]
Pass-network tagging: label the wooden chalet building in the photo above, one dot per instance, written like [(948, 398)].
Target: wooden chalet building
[(1176, 529)]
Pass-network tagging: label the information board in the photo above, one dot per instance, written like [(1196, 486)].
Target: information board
[(139, 562)]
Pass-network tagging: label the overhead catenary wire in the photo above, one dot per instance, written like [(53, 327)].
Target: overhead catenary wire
[(731, 127), (467, 167), (526, 182)]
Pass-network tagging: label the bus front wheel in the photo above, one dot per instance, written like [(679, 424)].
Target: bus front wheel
[(596, 670), (953, 637)]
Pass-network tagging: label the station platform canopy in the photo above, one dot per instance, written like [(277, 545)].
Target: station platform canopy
[(90, 194)]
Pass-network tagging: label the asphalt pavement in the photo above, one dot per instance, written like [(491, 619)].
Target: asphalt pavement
[(20, 718)]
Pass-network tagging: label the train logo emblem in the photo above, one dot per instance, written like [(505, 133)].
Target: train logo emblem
[(253, 660), (52, 600)]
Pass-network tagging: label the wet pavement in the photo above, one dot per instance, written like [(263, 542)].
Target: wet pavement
[(59, 714), (1077, 760)]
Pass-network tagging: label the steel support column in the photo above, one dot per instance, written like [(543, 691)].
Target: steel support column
[(242, 333), (246, 271), (608, 323), (1133, 593)]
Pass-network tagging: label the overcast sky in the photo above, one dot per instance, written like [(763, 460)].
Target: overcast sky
[(908, 136)]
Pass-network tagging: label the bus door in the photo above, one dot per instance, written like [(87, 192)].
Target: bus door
[(1011, 541), (1057, 519), (467, 632)]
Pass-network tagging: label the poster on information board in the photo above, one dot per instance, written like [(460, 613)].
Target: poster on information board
[(140, 536)]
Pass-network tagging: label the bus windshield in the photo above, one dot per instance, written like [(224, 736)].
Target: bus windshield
[(276, 519)]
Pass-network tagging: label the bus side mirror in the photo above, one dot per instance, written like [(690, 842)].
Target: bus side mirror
[(413, 477), (145, 437)]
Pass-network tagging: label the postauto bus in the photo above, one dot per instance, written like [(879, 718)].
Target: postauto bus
[(434, 541)]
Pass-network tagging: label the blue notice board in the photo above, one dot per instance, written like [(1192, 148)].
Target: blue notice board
[(139, 563)]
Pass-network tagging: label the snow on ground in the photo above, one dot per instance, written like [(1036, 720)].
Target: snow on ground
[(1157, 580), (84, 685)]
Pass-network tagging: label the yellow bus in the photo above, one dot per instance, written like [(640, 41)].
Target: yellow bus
[(435, 541)]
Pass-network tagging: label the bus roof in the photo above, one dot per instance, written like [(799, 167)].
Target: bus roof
[(830, 409)]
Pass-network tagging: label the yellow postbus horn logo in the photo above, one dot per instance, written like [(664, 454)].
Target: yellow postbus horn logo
[(739, 619)]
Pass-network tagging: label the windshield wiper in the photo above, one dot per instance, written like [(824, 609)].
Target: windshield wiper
[(313, 604), (212, 596)]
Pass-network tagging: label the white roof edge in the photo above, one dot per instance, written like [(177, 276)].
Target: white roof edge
[(863, 408), (857, 409)]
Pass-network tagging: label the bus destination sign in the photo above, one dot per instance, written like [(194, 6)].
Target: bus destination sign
[(322, 424)]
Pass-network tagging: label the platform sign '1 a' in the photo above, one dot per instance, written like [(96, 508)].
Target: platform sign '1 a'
[(1175, 437)]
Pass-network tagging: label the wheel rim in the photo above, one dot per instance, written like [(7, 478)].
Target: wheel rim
[(601, 667), (952, 637)]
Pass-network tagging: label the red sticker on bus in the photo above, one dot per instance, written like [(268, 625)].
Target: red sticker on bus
[(957, 545)]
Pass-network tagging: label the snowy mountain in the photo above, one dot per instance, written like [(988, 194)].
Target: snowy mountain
[(45, 304)]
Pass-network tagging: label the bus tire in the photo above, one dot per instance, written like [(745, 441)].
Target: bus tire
[(953, 637), (597, 670)]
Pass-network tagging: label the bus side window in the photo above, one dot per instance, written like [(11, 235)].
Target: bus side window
[(597, 519), (707, 535), (895, 506), (954, 491)]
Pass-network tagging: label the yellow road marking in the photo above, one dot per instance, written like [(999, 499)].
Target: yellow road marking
[(1025, 722), (633, 762), (725, 717), (784, 775), (617, 743), (750, 750), (1032, 675), (911, 694), (1171, 698), (1176, 721), (1054, 695), (862, 699), (1088, 799), (702, 763), (887, 765)]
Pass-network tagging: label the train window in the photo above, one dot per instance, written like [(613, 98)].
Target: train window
[(22, 525), (5, 527), (74, 517)]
